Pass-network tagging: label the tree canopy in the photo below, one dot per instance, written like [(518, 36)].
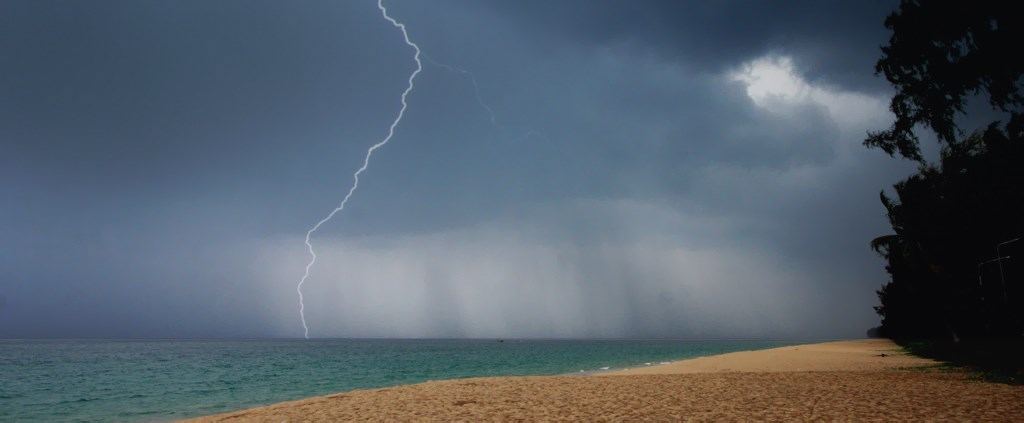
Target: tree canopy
[(947, 221), (940, 55), (955, 255)]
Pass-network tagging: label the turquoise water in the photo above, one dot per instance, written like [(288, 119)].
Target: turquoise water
[(104, 380)]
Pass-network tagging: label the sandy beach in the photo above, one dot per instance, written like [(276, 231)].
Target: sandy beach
[(843, 380)]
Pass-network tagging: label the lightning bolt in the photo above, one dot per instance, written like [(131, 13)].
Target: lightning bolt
[(480, 100), (472, 80), (366, 161)]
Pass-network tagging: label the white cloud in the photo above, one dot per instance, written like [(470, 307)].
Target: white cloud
[(772, 78), (774, 84)]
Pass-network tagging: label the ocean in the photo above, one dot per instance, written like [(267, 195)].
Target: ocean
[(158, 380)]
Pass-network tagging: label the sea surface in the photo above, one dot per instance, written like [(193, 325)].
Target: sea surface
[(159, 380)]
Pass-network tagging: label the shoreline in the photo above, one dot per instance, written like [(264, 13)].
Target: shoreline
[(859, 379), (843, 355), (660, 367)]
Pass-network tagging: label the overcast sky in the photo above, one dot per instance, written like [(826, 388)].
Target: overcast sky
[(620, 169)]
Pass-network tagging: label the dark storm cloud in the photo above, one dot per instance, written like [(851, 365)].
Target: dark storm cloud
[(835, 41), (162, 160)]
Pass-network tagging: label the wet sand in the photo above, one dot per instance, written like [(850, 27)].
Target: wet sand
[(846, 380)]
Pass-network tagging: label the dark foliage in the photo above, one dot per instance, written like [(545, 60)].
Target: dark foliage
[(995, 359), (948, 221), (941, 53), (947, 279)]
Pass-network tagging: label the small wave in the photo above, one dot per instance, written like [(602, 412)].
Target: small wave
[(605, 368), (72, 401)]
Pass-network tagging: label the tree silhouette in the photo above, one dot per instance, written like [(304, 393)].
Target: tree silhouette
[(948, 218), (942, 53)]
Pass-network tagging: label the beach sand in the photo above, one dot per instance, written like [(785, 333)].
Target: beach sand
[(845, 380)]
